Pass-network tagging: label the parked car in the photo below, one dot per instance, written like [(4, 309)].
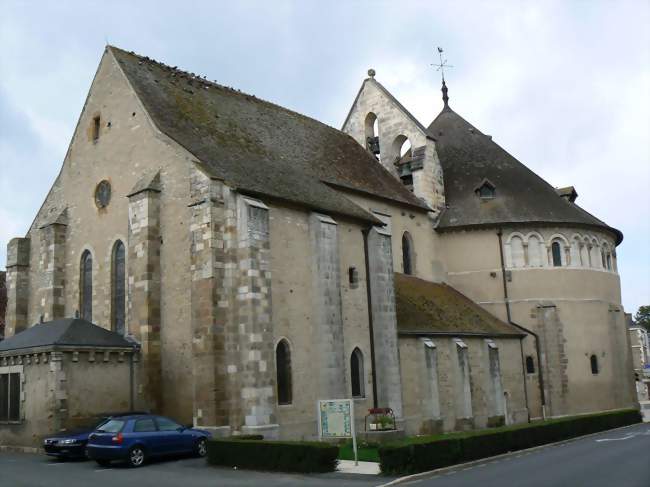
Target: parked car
[(137, 438), (72, 444)]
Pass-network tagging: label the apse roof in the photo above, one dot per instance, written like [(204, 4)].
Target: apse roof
[(469, 157), (258, 147)]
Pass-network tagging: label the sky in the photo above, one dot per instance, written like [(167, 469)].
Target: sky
[(562, 85)]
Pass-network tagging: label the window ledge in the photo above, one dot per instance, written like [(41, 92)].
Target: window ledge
[(12, 422)]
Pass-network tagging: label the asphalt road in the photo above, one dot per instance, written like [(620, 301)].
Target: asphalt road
[(29, 470), (619, 458)]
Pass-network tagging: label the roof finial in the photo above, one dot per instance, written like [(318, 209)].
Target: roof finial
[(371, 73), (445, 97), (441, 67)]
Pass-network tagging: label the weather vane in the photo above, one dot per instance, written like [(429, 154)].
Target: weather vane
[(442, 65)]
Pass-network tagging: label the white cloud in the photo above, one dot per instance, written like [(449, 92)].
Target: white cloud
[(560, 85)]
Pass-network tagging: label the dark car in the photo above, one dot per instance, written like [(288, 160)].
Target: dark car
[(137, 438), (72, 444)]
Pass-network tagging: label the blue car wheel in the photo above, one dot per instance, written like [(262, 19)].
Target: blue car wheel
[(136, 456)]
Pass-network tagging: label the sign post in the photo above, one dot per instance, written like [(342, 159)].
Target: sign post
[(336, 420)]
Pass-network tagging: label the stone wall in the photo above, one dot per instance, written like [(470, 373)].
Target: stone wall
[(452, 412), (568, 307)]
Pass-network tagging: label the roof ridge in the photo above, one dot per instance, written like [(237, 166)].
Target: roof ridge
[(217, 85)]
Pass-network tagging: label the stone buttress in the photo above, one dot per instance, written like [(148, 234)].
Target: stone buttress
[(17, 285), (328, 322), (143, 304), (232, 332), (52, 260), (382, 292)]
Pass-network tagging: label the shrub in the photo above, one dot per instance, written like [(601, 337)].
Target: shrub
[(283, 456), (428, 453)]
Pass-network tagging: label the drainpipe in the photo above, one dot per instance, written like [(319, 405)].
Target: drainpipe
[(131, 383), (365, 233), (526, 330)]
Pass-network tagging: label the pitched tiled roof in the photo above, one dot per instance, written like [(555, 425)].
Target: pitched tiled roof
[(68, 332), (258, 147), (468, 157), (425, 307)]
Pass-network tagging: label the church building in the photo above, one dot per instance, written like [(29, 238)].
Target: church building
[(227, 262)]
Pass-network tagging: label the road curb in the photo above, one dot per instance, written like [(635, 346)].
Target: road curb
[(431, 473), (19, 449)]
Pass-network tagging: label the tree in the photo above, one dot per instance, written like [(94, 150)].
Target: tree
[(642, 317)]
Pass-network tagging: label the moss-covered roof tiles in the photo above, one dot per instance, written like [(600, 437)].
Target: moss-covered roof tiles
[(425, 307), (256, 146)]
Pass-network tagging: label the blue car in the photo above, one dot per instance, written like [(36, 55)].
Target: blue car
[(137, 438), (72, 444)]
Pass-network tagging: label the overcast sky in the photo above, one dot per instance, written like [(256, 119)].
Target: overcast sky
[(563, 86)]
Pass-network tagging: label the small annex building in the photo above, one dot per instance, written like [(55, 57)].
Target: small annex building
[(56, 375), (461, 366)]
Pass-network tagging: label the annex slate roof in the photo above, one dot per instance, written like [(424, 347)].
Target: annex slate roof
[(468, 157), (425, 307), (258, 147), (64, 332)]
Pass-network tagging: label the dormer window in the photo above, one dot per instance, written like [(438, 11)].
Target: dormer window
[(486, 190)]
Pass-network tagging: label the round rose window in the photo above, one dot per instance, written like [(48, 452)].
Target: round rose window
[(103, 194)]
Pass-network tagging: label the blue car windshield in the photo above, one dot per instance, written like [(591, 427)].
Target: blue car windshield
[(111, 426)]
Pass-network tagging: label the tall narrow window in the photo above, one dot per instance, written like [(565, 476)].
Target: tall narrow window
[(96, 122), (407, 253), (556, 251), (594, 364), (530, 365), (86, 286), (356, 373), (118, 284), (283, 369)]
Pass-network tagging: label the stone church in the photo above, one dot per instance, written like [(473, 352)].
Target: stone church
[(227, 262)]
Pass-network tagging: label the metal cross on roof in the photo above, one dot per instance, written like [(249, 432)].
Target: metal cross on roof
[(442, 65)]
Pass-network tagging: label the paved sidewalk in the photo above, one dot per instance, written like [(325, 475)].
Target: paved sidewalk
[(364, 468)]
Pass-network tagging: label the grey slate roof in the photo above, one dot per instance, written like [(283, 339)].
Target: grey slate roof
[(64, 332), (468, 157), (258, 147)]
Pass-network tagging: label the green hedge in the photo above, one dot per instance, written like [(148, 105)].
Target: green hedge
[(283, 456), (420, 454)]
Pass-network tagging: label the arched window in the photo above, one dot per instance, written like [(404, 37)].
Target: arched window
[(530, 365), (556, 252), (372, 134), (283, 370), (594, 364), (356, 373), (535, 252), (517, 252), (609, 261), (407, 254), (86, 286), (118, 283)]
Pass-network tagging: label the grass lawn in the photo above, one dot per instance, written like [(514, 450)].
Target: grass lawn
[(367, 453)]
